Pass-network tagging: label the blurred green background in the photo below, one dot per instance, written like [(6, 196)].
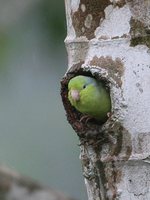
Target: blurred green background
[(35, 138)]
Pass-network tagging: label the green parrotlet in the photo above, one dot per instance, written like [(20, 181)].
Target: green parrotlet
[(89, 97)]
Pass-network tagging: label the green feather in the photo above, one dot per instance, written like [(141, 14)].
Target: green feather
[(94, 99)]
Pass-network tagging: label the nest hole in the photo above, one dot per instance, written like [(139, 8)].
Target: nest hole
[(92, 127)]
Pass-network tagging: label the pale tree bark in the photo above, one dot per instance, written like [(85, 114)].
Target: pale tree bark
[(110, 40)]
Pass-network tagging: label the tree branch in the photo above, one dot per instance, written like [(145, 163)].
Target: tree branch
[(18, 187)]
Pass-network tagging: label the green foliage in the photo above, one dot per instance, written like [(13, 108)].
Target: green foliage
[(4, 42), (53, 17)]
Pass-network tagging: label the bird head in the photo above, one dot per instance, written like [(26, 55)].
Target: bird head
[(76, 87)]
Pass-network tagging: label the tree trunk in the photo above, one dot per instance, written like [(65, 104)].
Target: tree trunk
[(110, 40)]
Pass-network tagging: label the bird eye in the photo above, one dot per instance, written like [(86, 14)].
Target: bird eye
[(84, 86)]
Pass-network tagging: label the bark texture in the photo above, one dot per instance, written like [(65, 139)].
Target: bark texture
[(110, 40)]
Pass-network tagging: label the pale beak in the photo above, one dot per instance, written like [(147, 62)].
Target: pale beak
[(75, 95)]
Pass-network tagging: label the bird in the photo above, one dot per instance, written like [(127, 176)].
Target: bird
[(90, 97)]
